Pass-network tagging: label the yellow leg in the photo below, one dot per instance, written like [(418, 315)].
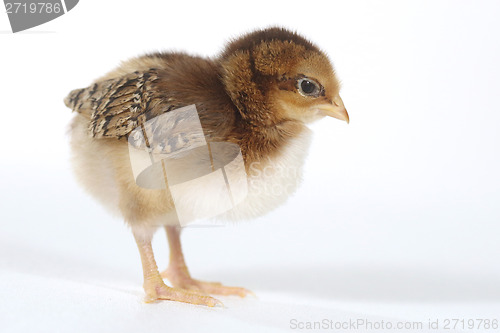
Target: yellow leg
[(154, 286), (178, 274)]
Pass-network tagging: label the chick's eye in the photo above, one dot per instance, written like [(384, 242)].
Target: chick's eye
[(308, 87)]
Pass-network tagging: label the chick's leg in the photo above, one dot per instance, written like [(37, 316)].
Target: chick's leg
[(178, 274), (154, 286)]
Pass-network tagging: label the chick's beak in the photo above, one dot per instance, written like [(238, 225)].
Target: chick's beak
[(335, 109)]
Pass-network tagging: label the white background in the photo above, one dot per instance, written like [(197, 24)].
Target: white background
[(398, 215)]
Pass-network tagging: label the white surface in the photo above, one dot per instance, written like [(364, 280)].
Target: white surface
[(397, 217)]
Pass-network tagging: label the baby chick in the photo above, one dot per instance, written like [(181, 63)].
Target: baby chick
[(259, 93)]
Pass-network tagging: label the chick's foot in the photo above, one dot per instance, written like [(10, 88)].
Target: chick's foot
[(157, 290), (180, 279)]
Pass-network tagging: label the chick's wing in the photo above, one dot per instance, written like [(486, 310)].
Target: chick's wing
[(117, 106)]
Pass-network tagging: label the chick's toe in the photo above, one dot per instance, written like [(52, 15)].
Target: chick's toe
[(184, 281)]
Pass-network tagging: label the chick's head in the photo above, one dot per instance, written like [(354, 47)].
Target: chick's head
[(274, 75)]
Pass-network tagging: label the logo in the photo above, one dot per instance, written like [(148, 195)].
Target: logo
[(26, 14), (204, 178)]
